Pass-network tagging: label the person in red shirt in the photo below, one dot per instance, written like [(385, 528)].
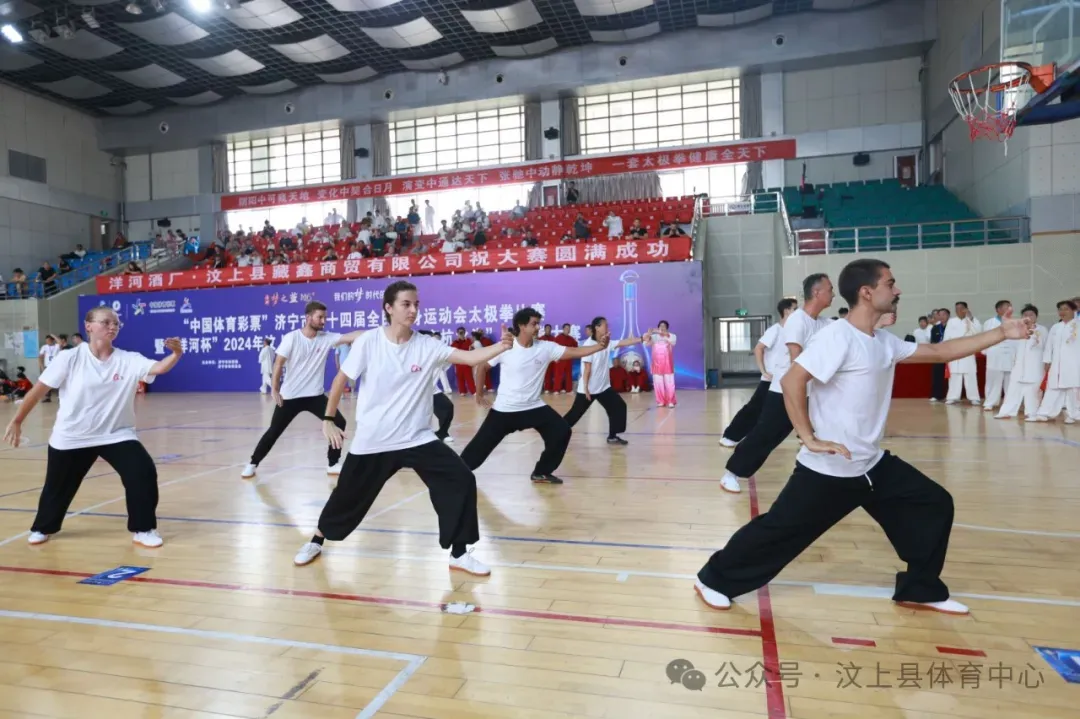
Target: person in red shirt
[(638, 380), (619, 377), (549, 376), (479, 340), (563, 380), (465, 383)]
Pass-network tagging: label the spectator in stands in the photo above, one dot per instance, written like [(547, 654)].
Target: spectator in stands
[(378, 243), (379, 221), (333, 218), (64, 266), (572, 194), (133, 268), (518, 211), (303, 226), (922, 334), (329, 255), (638, 231), (46, 275), (672, 229), (18, 278), (529, 239), (581, 228), (77, 254), (268, 230), (414, 220), (614, 226), (479, 237), (567, 237), (120, 242), (429, 218), (401, 227), (638, 379)]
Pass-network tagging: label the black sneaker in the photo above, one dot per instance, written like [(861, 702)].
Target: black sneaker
[(545, 479), (616, 440)]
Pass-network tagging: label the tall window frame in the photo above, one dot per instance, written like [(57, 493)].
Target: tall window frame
[(458, 141), (293, 159), (661, 117)]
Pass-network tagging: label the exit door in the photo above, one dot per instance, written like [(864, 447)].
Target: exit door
[(736, 338), (907, 170)]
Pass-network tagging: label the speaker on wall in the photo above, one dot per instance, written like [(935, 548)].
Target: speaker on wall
[(362, 152), (861, 159)]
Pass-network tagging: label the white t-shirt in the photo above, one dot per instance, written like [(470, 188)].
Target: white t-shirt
[(394, 401), (305, 366), (922, 336), (600, 375), (266, 359), (775, 352), (97, 399), (798, 329), (851, 392), (522, 378), (49, 353)]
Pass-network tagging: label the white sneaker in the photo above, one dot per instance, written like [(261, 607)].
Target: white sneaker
[(976, 403), (1041, 418), (951, 401), (1006, 416), (725, 442), (1070, 420), (249, 471), (933, 399), (307, 554), (672, 405), (448, 440), (713, 598), (730, 483), (949, 606), (150, 540), (1031, 418), (470, 564), (37, 538), (988, 408), (335, 470)]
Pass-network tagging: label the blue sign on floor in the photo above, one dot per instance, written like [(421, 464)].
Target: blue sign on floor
[(1065, 662), (111, 577)]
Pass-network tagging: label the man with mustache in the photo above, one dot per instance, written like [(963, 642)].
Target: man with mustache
[(841, 467)]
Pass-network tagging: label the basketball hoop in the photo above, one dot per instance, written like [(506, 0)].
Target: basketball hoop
[(987, 98)]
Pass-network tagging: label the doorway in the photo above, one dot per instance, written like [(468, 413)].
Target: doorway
[(735, 340)]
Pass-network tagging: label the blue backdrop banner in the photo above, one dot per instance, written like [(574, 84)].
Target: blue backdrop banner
[(223, 329)]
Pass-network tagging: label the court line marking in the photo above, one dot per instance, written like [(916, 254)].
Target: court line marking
[(414, 603), (1031, 532), (770, 650), (413, 661), (89, 510)]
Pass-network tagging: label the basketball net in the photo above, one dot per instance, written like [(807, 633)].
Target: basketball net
[(987, 98)]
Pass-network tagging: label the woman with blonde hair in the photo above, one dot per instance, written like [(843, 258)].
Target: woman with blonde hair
[(97, 383)]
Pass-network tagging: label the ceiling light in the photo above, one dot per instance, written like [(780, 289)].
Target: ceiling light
[(12, 35), (90, 19), (133, 8), (202, 5)]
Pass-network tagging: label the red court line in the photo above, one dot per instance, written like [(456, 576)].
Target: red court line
[(962, 652), (854, 642), (774, 690), (391, 601)]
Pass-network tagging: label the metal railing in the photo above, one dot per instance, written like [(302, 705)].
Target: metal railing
[(920, 236), (38, 289), (759, 203)]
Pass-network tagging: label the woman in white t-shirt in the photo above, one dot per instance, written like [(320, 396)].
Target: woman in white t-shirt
[(595, 384), (394, 404), (97, 384)]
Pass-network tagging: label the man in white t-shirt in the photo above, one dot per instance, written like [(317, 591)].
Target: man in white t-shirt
[(922, 332), (773, 425), (303, 390), (518, 405), (595, 383), (767, 353), (841, 466), (46, 355), (266, 365)]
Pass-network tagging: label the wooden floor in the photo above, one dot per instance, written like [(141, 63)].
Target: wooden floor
[(590, 600)]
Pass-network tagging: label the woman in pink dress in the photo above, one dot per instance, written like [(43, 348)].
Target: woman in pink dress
[(662, 344)]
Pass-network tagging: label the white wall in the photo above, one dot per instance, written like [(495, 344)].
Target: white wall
[(840, 168), (1043, 271), (32, 225), (741, 263), (162, 176), (846, 96)]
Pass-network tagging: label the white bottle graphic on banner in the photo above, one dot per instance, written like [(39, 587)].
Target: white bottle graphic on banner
[(626, 356)]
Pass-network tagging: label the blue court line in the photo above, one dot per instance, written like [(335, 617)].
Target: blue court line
[(377, 530)]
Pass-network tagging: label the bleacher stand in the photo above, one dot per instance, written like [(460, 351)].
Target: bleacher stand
[(82, 269)]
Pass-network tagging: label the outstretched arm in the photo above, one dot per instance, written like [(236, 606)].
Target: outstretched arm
[(349, 338), (165, 365), (478, 356), (961, 347), (573, 353)]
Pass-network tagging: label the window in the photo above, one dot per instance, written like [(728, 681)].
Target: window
[(294, 159), (665, 117), (450, 142)]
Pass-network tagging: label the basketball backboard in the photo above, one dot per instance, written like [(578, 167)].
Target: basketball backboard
[(1041, 32)]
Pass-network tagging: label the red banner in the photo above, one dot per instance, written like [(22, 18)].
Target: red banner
[(533, 172), (435, 263)]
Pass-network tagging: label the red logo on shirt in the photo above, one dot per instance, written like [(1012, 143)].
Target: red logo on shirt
[(415, 368), (116, 378)]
